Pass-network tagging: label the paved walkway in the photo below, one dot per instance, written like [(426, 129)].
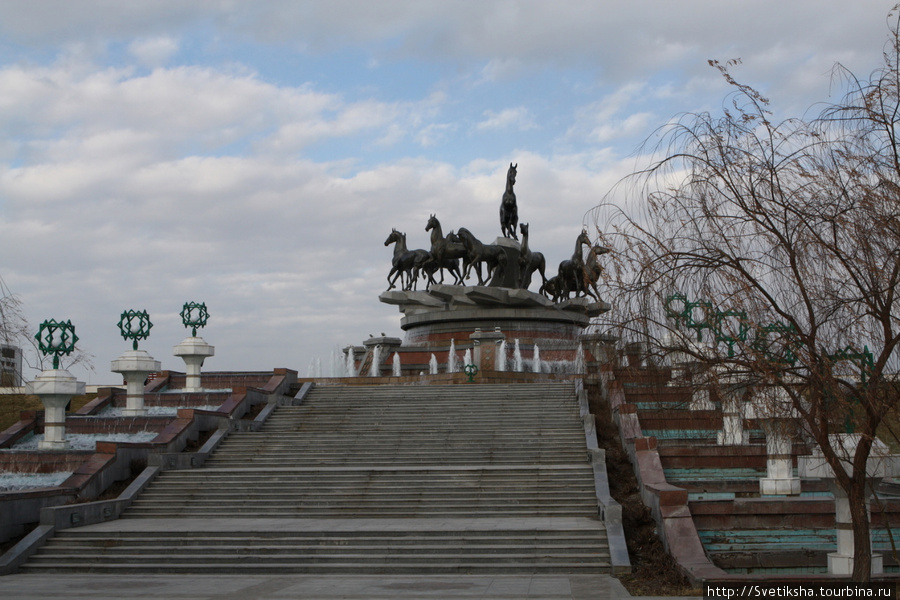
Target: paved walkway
[(303, 587)]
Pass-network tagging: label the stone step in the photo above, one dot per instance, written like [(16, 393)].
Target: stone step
[(369, 479), (237, 566), (400, 460), (162, 512), (380, 491), (398, 504), (292, 555), (89, 538)]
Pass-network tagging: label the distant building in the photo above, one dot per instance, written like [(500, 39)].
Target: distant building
[(10, 366)]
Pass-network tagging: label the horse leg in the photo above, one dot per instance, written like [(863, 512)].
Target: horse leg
[(478, 265), (541, 266), (396, 273)]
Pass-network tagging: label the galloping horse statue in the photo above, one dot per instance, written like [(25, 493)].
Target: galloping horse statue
[(444, 251), (593, 270), (478, 253), (529, 261), (572, 272), (509, 211), (404, 262)]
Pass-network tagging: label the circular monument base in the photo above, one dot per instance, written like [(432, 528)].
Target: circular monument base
[(450, 314)]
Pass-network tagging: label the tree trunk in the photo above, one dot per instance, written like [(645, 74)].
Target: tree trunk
[(862, 540)]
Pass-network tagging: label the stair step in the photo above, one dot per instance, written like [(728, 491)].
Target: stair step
[(453, 472)]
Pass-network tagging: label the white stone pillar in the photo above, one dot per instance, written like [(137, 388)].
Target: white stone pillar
[(700, 399), (193, 350), (135, 366), (779, 479), (771, 406), (878, 466), (841, 562), (732, 433), (55, 388)]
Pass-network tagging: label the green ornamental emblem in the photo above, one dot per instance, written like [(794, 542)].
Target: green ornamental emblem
[(471, 371), (135, 325), (56, 338), (194, 315)]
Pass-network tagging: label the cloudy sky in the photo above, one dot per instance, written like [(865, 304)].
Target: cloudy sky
[(255, 155)]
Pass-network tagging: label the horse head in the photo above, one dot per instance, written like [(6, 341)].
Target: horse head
[(511, 173), (394, 237), (432, 223), (523, 228)]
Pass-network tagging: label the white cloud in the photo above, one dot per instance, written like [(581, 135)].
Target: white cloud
[(153, 52), (518, 118), (121, 188)]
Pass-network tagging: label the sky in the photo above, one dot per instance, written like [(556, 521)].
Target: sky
[(255, 156)]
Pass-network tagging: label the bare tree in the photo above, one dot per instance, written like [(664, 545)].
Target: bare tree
[(795, 228), (16, 331)]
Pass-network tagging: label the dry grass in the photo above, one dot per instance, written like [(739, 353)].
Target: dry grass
[(654, 572), (12, 404)]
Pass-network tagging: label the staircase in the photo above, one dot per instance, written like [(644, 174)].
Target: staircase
[(370, 479)]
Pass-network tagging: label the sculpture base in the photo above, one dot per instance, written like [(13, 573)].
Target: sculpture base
[(451, 314)]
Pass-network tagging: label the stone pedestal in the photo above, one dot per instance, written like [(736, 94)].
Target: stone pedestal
[(732, 433), (602, 347), (135, 366), (55, 388), (380, 348), (841, 562), (771, 406), (193, 350), (486, 346), (878, 466), (700, 399), (509, 276), (779, 479)]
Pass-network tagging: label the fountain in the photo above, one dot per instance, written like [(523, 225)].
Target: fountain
[(375, 368), (135, 365), (349, 364), (517, 357), (479, 311), (433, 365), (55, 387), (536, 360), (395, 371), (193, 350), (451, 358), (467, 357), (579, 359)]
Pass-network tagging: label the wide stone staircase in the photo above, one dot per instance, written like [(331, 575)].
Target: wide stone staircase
[(370, 479)]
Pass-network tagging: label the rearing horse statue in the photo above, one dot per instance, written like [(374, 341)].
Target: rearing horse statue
[(509, 211)]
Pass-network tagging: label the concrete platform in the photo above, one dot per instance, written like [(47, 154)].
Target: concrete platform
[(301, 587)]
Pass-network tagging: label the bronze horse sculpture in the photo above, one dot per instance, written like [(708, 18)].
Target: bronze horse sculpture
[(571, 274), (404, 262), (593, 270), (529, 261), (509, 211), (444, 252), (479, 253)]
